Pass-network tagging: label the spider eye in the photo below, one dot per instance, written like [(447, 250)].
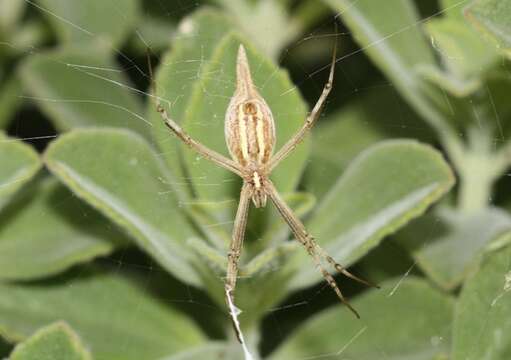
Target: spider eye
[(250, 108)]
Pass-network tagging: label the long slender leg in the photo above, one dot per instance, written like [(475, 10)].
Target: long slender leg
[(309, 122), (204, 151), (314, 250), (238, 233)]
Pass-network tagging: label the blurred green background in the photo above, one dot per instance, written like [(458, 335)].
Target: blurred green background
[(113, 235)]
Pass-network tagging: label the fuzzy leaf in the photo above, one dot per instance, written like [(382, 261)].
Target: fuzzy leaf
[(19, 164), (46, 229), (483, 313), (277, 229), (341, 136), (381, 191), (11, 12), (266, 22), (466, 56), (53, 342), (208, 351), (493, 17), (421, 327), (93, 20), (464, 53), (155, 32), (100, 99), (389, 33), (448, 245), (118, 173), (116, 319)]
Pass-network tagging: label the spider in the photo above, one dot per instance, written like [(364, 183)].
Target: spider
[(250, 138)]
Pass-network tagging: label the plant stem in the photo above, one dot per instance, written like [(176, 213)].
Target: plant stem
[(475, 185), (478, 170)]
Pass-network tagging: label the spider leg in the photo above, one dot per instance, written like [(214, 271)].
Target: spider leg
[(204, 151), (342, 269), (292, 143), (313, 249), (238, 233)]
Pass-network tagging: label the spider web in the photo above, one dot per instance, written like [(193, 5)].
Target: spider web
[(356, 78)]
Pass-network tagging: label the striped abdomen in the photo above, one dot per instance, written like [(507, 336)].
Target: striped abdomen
[(250, 132)]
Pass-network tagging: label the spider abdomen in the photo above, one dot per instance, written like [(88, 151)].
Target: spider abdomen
[(249, 125), (250, 133)]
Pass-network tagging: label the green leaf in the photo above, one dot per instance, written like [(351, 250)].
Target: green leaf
[(117, 172), (10, 99), (451, 84), (53, 342), (154, 32), (101, 99), (93, 20), (465, 55), (337, 139), (388, 260), (215, 220), (46, 229), (277, 230), (19, 164), (10, 14), (213, 350), (403, 320), (483, 312), (498, 108), (389, 33), (26, 37), (116, 319), (197, 37), (381, 191), (263, 283), (487, 112), (205, 119), (493, 18), (266, 22), (448, 244)]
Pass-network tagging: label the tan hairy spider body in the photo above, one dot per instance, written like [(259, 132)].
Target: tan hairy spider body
[(250, 132), (250, 138)]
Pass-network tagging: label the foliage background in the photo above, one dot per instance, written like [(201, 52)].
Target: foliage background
[(113, 235)]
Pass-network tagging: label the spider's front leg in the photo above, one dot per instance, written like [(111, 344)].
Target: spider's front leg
[(204, 151), (309, 122)]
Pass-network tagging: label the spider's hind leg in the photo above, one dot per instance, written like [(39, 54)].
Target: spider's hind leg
[(311, 246), (313, 249), (342, 269)]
